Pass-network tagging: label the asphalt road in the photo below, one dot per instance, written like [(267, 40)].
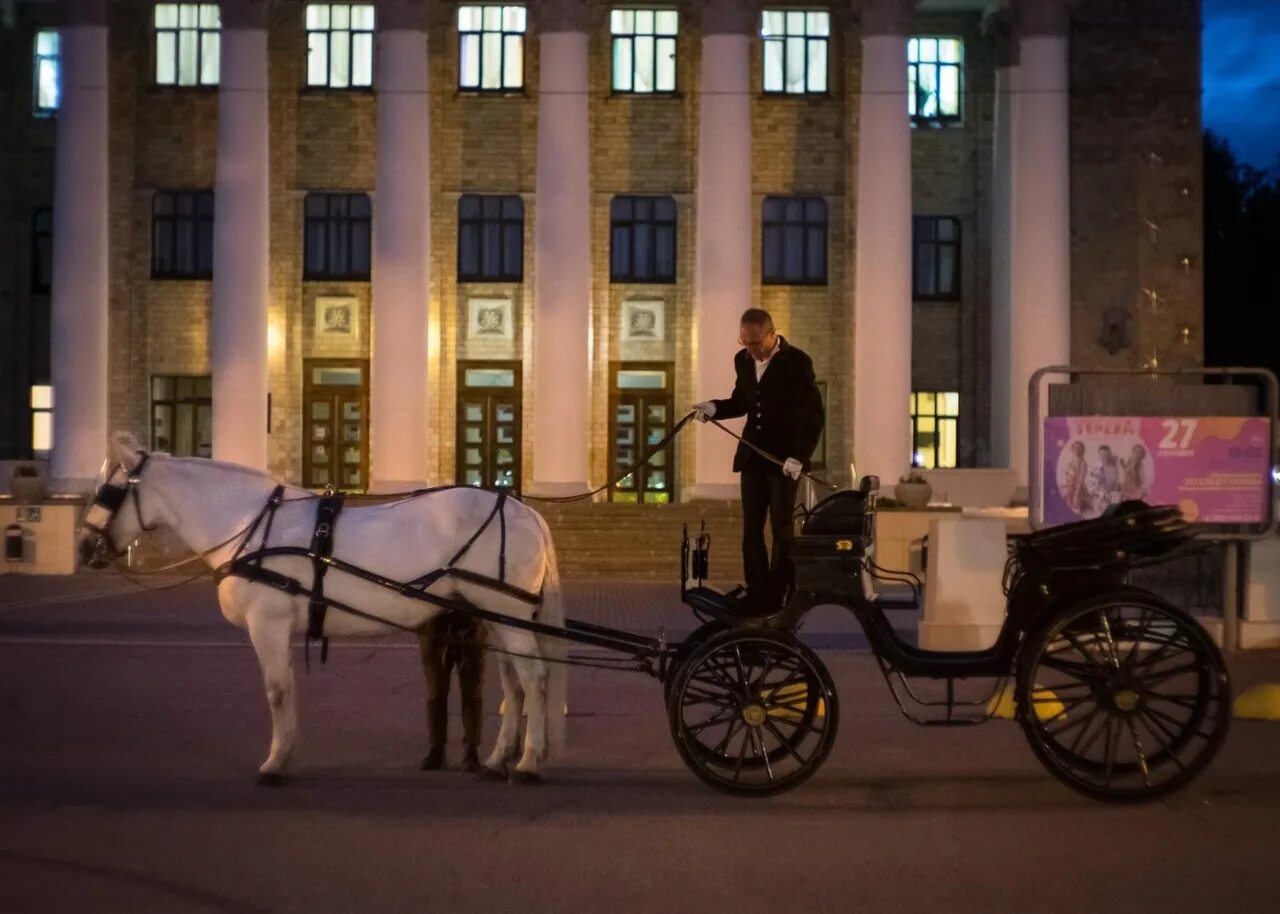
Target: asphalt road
[(131, 725)]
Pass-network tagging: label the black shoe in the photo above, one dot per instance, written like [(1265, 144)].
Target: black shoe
[(471, 759), (434, 759)]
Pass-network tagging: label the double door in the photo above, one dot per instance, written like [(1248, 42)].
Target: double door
[(640, 410), (489, 439), (336, 431)]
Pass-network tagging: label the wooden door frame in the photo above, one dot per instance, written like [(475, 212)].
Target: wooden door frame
[(615, 394), (517, 395), (308, 367)]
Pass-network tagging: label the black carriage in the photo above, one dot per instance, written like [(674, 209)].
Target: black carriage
[(1122, 696)]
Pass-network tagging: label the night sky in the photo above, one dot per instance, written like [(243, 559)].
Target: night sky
[(1242, 77)]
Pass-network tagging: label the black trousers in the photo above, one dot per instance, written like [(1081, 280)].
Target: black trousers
[(453, 641), (767, 494)]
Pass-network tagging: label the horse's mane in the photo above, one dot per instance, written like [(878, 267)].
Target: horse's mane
[(205, 462)]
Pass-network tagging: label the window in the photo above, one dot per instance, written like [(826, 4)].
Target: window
[(935, 262), (182, 234), (41, 420), (490, 238), (340, 45), (336, 236), (934, 84), (182, 415), (491, 47), (642, 239), (48, 72), (187, 44), (795, 241), (795, 51), (644, 50), (41, 251), (933, 428)]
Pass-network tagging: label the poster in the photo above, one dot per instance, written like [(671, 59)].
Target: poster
[(1217, 469)]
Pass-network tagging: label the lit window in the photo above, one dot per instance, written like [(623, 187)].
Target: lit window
[(491, 47), (337, 233), (187, 44), (935, 267), (41, 251), (642, 239), (934, 80), (41, 420), (48, 72), (644, 50), (490, 238), (934, 418), (794, 241), (182, 234), (795, 51), (340, 45), (182, 415)]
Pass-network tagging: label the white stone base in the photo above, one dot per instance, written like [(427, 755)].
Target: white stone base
[(1259, 634), (957, 636), (713, 491)]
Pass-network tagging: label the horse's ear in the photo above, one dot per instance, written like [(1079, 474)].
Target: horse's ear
[(126, 449)]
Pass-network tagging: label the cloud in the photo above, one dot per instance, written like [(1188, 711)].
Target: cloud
[(1241, 75)]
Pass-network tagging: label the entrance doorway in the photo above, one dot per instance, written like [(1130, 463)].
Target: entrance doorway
[(335, 436), (640, 409), (489, 425)]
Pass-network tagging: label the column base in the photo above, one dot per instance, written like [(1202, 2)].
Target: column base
[(555, 489), (712, 491), (392, 486)]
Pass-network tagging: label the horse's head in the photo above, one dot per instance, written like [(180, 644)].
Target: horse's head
[(115, 518)]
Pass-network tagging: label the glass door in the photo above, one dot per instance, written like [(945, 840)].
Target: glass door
[(489, 431), (336, 431), (640, 411)]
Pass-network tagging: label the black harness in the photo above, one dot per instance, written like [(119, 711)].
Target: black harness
[(248, 565)]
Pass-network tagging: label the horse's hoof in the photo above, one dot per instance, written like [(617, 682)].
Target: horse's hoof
[(526, 777), (433, 760), (490, 774), (270, 779), (471, 762)]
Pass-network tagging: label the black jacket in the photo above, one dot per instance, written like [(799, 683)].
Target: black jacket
[(784, 410)]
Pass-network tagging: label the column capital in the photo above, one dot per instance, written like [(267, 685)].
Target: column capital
[(562, 16), (409, 15), (885, 17), (83, 12), (244, 14), (1041, 17), (729, 17), (997, 28)]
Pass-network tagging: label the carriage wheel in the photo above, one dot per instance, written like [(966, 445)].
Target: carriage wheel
[(683, 650), (1124, 697), (753, 713)]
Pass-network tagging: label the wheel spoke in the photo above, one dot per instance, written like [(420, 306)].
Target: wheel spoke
[(1079, 721), (1157, 678), (783, 741), (758, 739), (724, 743), (1137, 747), (742, 754), (1113, 744), (720, 717)]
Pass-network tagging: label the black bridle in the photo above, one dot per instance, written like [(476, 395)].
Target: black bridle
[(111, 498)]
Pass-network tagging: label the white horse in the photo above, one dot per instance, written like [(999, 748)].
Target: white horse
[(207, 502)]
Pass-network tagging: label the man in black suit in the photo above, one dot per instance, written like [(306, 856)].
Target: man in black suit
[(776, 391)]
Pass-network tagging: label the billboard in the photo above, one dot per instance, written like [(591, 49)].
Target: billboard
[(1217, 469)]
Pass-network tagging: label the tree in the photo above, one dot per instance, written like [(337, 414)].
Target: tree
[(1241, 259)]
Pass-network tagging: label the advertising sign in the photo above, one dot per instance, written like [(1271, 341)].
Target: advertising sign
[(1217, 469)]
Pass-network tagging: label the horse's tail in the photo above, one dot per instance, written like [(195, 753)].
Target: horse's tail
[(555, 650)]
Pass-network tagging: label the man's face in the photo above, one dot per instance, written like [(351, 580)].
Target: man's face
[(758, 339)]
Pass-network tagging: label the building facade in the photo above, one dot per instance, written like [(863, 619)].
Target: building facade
[(382, 245)]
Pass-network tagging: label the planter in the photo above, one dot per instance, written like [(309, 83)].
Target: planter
[(913, 495)]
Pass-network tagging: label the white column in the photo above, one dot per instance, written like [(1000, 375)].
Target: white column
[(562, 256), (882, 296), (725, 220), (241, 250), (1040, 318), (1001, 214), (79, 306), (401, 254)]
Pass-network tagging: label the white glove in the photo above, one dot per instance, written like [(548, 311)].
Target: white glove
[(705, 410), (792, 467)]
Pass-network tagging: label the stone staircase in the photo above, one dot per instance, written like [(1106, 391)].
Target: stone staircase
[(622, 542)]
